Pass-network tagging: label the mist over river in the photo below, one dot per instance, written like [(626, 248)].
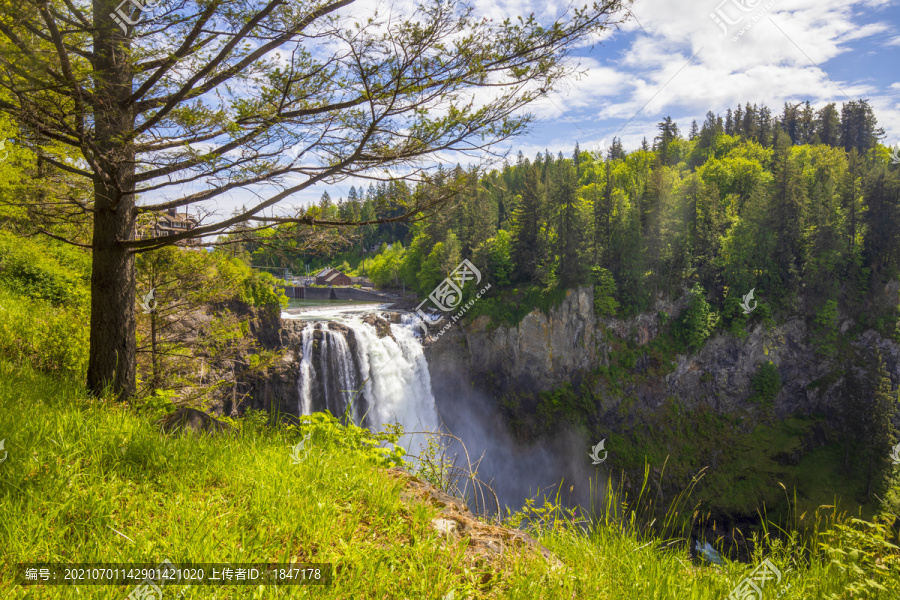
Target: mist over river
[(347, 366)]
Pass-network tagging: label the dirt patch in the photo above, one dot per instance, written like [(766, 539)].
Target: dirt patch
[(456, 521)]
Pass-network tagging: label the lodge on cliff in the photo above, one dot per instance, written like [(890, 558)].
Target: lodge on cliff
[(170, 223)]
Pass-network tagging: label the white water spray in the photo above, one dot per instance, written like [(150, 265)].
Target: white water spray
[(391, 373)]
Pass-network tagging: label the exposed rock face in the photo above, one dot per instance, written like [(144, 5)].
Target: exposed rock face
[(544, 351), (644, 327), (719, 374), (541, 352), (382, 326), (275, 391)]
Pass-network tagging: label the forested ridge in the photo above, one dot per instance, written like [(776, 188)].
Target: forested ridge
[(801, 206)]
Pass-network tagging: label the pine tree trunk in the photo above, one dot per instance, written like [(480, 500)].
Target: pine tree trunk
[(112, 362), (153, 350)]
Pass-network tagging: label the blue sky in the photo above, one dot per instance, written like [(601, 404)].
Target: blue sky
[(672, 58)]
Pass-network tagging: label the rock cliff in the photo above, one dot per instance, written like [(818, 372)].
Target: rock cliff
[(547, 350), (543, 351)]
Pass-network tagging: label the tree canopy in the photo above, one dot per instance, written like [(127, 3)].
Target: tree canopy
[(186, 103)]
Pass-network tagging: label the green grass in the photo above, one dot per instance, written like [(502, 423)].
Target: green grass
[(509, 307), (93, 481)]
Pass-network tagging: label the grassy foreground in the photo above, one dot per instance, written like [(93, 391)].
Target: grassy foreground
[(90, 481)]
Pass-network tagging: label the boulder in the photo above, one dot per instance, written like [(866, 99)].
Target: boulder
[(193, 419), (382, 326)]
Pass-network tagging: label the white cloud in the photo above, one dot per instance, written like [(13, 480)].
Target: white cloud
[(776, 52)]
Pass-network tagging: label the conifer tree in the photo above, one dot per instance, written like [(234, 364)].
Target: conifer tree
[(828, 125), (528, 219), (570, 226), (668, 133), (786, 214), (859, 127)]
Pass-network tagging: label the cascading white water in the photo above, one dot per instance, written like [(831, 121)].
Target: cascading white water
[(391, 372), (306, 369), (414, 323), (341, 361), (396, 381)]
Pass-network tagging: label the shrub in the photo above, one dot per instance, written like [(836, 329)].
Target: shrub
[(733, 318), (825, 332), (605, 303), (49, 338), (695, 323), (30, 268), (765, 384), (260, 289)]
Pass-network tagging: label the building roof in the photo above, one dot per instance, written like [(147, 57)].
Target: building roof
[(178, 218), (333, 275)]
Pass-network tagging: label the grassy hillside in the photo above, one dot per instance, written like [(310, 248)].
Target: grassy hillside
[(87, 480), (90, 481)]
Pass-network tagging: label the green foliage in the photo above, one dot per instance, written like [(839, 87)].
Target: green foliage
[(262, 289), (605, 304), (43, 305), (825, 332), (432, 270), (511, 306), (765, 384), (350, 439), (42, 269), (863, 561), (501, 258), (696, 322), (49, 338), (157, 405), (384, 269), (733, 318), (563, 405)]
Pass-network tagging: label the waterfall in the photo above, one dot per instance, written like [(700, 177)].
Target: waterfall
[(306, 371), (386, 378)]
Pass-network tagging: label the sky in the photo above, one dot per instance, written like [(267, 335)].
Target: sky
[(682, 58)]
